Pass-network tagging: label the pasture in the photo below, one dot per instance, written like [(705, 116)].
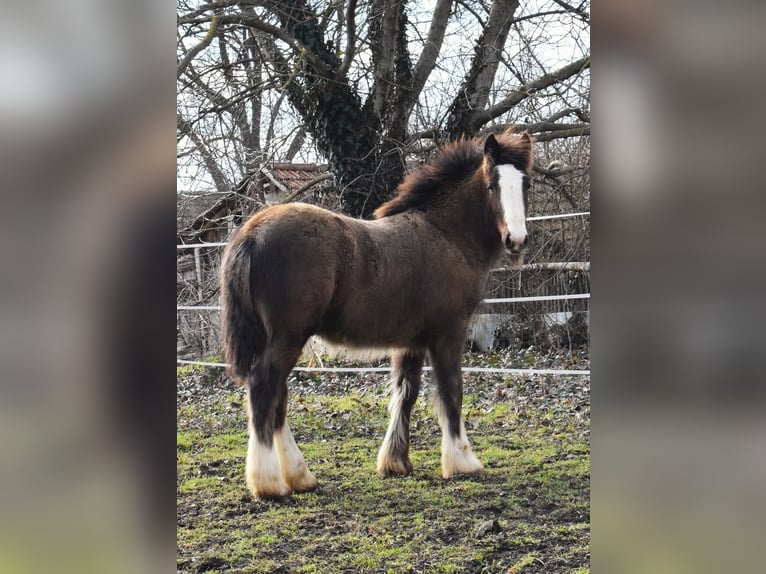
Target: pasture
[(529, 512)]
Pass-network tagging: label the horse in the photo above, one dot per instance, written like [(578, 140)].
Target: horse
[(407, 281)]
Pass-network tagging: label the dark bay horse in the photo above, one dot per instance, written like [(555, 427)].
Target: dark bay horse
[(407, 282)]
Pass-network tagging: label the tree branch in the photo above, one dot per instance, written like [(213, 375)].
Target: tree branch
[(254, 79), (254, 22), (305, 187), (469, 8), (219, 178), (191, 54), (517, 96), (539, 15), (274, 112), (429, 134), (567, 111), (557, 135), (296, 144), (547, 126), (384, 51), (350, 40), (473, 93), (490, 48), (284, 74), (574, 10), (210, 6), (236, 109), (431, 50), (319, 66), (556, 173)]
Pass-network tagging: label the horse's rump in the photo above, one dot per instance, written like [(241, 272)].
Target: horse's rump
[(278, 277)]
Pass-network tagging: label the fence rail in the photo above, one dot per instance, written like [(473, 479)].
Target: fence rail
[(498, 300), (388, 369)]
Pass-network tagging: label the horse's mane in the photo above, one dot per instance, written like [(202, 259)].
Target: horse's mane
[(453, 162), (424, 185)]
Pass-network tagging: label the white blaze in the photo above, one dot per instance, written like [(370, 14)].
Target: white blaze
[(511, 182)]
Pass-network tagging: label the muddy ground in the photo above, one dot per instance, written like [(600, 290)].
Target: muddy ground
[(528, 513)]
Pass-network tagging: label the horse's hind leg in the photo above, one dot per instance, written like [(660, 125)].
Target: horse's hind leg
[(457, 456), (394, 455), (274, 463), (291, 462), (262, 471)]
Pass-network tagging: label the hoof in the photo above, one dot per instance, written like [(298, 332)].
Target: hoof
[(271, 493), (268, 488), (388, 466), (457, 456), (305, 483), (474, 470), (460, 461)]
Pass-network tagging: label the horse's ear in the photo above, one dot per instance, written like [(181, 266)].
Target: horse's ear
[(491, 148), (526, 140)]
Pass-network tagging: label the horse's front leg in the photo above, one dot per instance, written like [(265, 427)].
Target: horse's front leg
[(394, 455), (457, 456)]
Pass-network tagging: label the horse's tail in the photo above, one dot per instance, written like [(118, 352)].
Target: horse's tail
[(242, 330)]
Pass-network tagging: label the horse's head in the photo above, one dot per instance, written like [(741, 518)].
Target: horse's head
[(507, 165)]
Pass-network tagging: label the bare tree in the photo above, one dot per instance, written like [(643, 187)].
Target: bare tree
[(364, 84)]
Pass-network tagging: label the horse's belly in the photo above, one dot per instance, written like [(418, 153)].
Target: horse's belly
[(373, 328)]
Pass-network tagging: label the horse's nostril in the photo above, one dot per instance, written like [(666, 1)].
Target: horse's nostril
[(513, 246)]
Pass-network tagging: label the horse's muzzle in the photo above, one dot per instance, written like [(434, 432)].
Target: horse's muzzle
[(513, 246), (515, 249)]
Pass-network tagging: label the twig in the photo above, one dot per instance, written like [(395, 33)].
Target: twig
[(306, 187)]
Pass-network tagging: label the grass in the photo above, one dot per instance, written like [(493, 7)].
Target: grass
[(536, 485)]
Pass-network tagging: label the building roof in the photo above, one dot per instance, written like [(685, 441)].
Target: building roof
[(275, 179), (189, 206), (294, 175)]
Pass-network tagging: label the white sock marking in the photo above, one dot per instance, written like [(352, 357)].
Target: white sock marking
[(291, 461), (262, 470), (457, 456), (395, 440)]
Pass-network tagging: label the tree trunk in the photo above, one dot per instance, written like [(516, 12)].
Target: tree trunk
[(345, 133)]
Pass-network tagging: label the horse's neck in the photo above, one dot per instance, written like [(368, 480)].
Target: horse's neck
[(467, 225)]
